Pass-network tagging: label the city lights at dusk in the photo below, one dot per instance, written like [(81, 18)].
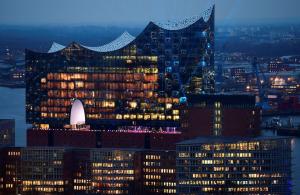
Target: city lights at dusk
[(149, 97)]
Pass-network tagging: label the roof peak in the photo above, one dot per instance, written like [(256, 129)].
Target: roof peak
[(56, 47), (121, 41), (177, 25)]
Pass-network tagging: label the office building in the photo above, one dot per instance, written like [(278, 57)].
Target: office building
[(234, 165), (42, 170), (157, 172), (72, 171)]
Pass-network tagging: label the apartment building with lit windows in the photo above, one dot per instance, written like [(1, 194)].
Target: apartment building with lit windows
[(124, 171), (58, 170), (42, 170), (71, 171), (157, 171), (10, 170), (230, 165), (113, 171)]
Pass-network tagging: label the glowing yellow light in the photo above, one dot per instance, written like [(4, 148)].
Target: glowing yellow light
[(133, 104), (168, 106)]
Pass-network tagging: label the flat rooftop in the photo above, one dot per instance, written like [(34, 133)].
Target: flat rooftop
[(222, 139)]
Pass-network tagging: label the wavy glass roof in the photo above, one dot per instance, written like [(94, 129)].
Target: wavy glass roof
[(123, 40), (118, 43), (126, 38), (177, 25)]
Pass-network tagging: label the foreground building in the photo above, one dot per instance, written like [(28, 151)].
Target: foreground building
[(157, 172), (43, 170), (10, 170), (71, 171), (205, 165), (222, 165)]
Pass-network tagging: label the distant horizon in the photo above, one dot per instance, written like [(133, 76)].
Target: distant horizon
[(227, 24), (138, 13)]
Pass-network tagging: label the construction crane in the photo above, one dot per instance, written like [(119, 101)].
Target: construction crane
[(262, 84)]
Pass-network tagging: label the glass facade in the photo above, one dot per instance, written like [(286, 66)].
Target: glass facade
[(234, 165), (91, 171), (42, 170), (112, 171), (140, 84)]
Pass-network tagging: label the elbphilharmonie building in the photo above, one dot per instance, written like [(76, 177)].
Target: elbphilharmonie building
[(131, 81)]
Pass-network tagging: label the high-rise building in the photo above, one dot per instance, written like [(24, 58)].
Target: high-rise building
[(132, 81), (234, 165), (7, 132)]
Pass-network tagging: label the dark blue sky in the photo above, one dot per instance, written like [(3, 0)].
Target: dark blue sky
[(139, 12)]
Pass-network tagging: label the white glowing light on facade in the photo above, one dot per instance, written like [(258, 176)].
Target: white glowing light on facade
[(77, 113)]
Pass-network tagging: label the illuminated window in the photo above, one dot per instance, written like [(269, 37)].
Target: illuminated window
[(79, 84), (119, 116), (168, 106), (43, 80), (133, 104), (44, 126), (175, 112)]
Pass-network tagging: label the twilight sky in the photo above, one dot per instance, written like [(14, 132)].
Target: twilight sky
[(139, 12)]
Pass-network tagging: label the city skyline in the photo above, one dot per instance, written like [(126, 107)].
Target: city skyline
[(181, 107)]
